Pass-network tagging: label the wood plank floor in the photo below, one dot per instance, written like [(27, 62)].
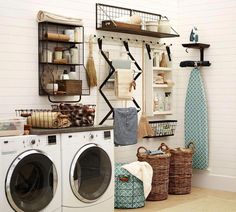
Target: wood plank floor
[(174, 200)]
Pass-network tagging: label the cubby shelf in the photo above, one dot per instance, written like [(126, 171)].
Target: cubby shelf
[(162, 112), (155, 68), (162, 86)]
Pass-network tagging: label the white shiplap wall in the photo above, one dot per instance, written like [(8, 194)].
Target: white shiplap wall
[(19, 53), (215, 21)]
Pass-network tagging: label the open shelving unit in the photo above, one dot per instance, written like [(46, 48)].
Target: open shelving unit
[(49, 71), (154, 90)]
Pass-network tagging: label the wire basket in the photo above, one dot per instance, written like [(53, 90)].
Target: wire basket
[(60, 116), (162, 128)]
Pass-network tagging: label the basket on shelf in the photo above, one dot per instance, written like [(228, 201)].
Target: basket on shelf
[(60, 116), (180, 176), (160, 180), (129, 191), (162, 128)]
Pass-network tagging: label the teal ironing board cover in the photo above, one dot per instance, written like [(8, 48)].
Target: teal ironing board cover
[(196, 119)]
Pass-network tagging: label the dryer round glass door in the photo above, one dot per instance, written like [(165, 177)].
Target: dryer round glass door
[(31, 181), (90, 173)]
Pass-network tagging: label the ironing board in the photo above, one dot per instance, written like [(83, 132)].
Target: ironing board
[(196, 120)]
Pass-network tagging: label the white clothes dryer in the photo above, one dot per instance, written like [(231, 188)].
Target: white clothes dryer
[(88, 171), (30, 173)]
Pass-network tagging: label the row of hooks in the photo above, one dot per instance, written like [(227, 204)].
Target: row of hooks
[(134, 40)]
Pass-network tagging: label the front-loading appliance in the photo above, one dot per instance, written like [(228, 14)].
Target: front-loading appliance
[(30, 173), (88, 171)]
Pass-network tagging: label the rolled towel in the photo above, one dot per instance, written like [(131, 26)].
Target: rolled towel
[(51, 17), (45, 119)]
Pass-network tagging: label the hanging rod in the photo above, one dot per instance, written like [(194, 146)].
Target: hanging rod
[(134, 40)]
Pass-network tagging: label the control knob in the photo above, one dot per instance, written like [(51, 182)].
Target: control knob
[(91, 136)]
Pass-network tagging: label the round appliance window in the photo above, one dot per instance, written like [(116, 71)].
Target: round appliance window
[(91, 173), (31, 182)]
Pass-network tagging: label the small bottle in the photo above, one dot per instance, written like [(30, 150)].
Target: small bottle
[(161, 103), (72, 74), (167, 101), (74, 55), (155, 105), (67, 56), (65, 75)]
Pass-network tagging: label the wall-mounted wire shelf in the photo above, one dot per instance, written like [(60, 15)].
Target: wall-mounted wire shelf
[(106, 14), (163, 128)]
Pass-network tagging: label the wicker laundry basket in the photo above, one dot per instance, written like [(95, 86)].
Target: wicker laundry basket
[(180, 177), (129, 191), (160, 180)]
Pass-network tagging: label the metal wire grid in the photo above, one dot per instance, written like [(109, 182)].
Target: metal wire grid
[(163, 128), (107, 12)]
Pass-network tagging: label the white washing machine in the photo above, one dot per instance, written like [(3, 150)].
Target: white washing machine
[(88, 171), (30, 174)]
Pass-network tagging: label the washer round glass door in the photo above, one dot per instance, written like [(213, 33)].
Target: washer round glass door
[(31, 181), (90, 173)]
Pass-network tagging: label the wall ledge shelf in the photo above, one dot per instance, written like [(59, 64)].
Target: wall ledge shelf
[(162, 86), (162, 69), (162, 112), (138, 32), (196, 45)]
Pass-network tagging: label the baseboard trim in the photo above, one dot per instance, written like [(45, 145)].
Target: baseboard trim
[(204, 179)]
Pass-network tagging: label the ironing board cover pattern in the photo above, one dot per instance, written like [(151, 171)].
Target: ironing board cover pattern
[(196, 120)]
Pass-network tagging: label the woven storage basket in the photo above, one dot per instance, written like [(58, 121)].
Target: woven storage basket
[(180, 177), (128, 189), (160, 180)]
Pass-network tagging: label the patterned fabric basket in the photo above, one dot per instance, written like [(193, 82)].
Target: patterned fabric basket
[(128, 189), (180, 176), (160, 180)]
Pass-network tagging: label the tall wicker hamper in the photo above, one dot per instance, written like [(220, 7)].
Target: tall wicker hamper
[(129, 191), (180, 177), (160, 180)]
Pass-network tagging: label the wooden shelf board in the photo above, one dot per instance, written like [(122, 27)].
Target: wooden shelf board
[(61, 64), (196, 45), (162, 69), (162, 112), (58, 41), (162, 86), (139, 32)]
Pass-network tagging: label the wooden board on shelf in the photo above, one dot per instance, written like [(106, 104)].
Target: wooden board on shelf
[(138, 32), (196, 45), (161, 68), (120, 25), (162, 86), (162, 112)]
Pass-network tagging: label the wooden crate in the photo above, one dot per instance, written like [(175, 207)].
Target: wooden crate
[(70, 87), (116, 24)]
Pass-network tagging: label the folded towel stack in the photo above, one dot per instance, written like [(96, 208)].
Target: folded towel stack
[(51, 17), (48, 120)]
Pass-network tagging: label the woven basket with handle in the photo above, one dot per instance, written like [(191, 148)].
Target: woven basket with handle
[(160, 180), (180, 176)]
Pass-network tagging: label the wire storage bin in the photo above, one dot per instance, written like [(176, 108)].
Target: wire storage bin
[(162, 128), (160, 181), (60, 116)]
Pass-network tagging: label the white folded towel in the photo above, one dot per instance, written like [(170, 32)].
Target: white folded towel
[(123, 79), (144, 172), (51, 17)]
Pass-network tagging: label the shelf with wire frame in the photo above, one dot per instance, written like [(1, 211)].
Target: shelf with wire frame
[(163, 128), (107, 14)]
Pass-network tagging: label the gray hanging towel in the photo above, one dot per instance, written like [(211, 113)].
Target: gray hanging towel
[(125, 126)]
